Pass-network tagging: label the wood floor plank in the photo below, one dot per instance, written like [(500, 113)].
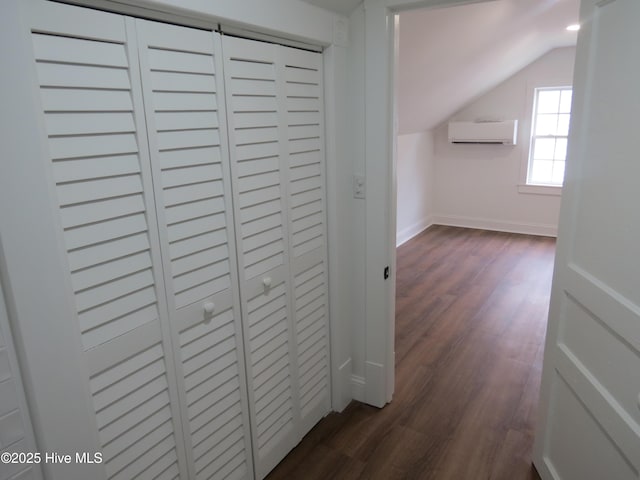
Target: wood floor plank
[(514, 458), (471, 309)]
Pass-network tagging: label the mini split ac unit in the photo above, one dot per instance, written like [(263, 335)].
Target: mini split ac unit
[(503, 133)]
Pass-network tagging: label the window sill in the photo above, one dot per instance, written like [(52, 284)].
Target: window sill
[(540, 189)]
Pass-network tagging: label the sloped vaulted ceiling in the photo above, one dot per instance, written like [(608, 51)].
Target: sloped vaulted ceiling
[(450, 56)]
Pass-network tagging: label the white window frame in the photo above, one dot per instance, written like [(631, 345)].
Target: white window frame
[(527, 134)]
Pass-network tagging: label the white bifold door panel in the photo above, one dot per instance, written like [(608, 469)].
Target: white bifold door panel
[(274, 105), (144, 210), (182, 80), (185, 210), (589, 419), (307, 229), (87, 70)]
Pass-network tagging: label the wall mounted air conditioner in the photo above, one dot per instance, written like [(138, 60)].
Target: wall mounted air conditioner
[(503, 132)]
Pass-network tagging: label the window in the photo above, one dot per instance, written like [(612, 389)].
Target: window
[(549, 132)]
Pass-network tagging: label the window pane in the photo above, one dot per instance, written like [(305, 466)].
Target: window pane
[(546, 124), (548, 101), (541, 171), (565, 101), (563, 124), (561, 149), (557, 177), (548, 148), (544, 148)]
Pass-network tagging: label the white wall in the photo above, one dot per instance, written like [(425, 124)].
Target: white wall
[(477, 185), (356, 160), (415, 170), (292, 19)]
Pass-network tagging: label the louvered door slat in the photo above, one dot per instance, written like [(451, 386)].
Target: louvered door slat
[(192, 228), (181, 82), (187, 137), (187, 193), (300, 172), (266, 121), (164, 468), (179, 139), (198, 173), (218, 379), (83, 76), (305, 158), (101, 167), (233, 426), (149, 424), (47, 48), (85, 100), (191, 157), (91, 105), (92, 190), (257, 150), (92, 277), (197, 243), (256, 167), (208, 356), (165, 60), (304, 118), (203, 258)]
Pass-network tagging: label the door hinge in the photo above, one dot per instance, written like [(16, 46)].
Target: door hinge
[(386, 272)]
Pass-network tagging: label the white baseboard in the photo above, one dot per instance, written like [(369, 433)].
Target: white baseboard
[(358, 388), (375, 391), (496, 225), (372, 388), (342, 391), (411, 231)]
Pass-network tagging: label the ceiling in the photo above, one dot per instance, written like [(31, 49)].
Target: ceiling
[(345, 7), (450, 56)]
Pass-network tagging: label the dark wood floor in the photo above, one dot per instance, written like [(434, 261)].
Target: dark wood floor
[(470, 323)]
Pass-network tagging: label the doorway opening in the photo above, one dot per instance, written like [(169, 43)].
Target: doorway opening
[(475, 249)]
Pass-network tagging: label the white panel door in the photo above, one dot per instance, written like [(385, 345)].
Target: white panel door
[(87, 72), (302, 91), (257, 146), (589, 425), (182, 84)]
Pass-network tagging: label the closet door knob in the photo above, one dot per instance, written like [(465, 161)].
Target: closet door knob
[(266, 281), (209, 307)]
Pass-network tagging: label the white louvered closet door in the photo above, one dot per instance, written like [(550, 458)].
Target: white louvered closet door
[(258, 170), (87, 70), (275, 132), (201, 322), (303, 92), (182, 80)]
